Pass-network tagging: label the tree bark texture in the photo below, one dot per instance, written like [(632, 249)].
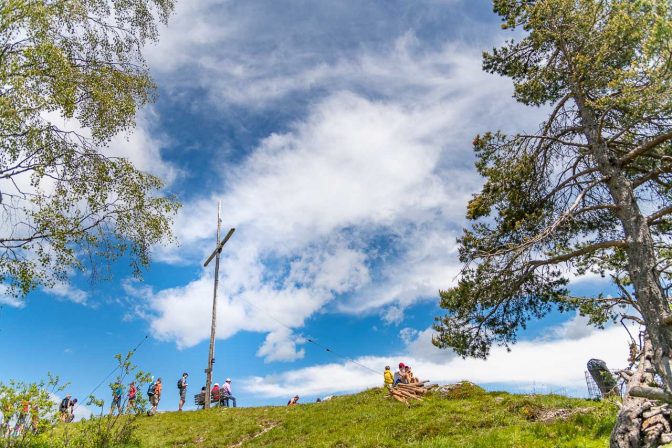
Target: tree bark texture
[(651, 299), (641, 422)]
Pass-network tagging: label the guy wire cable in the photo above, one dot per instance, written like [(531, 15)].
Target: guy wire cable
[(327, 349), (111, 373)]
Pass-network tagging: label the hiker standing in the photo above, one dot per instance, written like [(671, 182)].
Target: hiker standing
[(388, 377), (182, 387), (132, 392), (227, 393), (71, 411), (22, 420), (64, 408), (6, 416), (117, 392), (154, 394), (34, 418)]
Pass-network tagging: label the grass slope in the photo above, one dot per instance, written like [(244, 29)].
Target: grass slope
[(467, 417)]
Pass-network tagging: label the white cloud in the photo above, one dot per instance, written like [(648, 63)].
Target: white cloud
[(140, 145), (407, 335), (183, 313), (575, 328), (429, 264), (557, 364), (419, 346), (68, 292), (311, 199), (6, 299), (251, 55), (308, 202), (382, 152), (280, 345), (392, 315)]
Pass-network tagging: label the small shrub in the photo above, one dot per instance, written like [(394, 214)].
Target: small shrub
[(463, 390), (26, 409)]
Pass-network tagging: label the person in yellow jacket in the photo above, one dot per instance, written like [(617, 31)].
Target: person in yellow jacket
[(389, 378)]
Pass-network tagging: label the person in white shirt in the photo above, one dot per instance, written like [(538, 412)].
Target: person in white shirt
[(227, 394)]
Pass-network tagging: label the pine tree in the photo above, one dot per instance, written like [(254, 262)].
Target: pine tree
[(589, 192)]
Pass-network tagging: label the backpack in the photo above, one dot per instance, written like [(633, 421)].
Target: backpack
[(64, 404), (179, 384), (151, 389)]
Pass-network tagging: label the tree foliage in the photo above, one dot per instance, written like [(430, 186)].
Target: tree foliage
[(27, 409), (65, 203), (106, 428), (588, 192)]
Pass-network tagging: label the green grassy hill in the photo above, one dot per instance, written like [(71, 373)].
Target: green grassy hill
[(465, 417)]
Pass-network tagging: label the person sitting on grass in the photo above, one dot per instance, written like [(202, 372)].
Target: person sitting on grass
[(294, 401), (400, 375), (410, 378), (388, 377)]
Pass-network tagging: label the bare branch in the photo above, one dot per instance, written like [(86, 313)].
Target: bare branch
[(577, 253), (651, 393), (629, 157), (659, 214)]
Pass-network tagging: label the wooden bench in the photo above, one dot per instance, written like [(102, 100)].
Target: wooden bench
[(199, 399)]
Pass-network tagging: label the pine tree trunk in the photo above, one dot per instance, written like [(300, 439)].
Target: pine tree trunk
[(651, 299), (635, 428)]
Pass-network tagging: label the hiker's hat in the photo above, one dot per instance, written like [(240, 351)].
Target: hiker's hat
[(216, 384), (228, 380), (401, 364)]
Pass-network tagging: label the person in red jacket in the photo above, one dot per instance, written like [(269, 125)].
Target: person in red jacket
[(214, 393), (132, 393)]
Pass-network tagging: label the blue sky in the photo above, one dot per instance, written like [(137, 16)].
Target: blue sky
[(337, 137)]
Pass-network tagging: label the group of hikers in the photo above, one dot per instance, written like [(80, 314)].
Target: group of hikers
[(403, 375), (222, 395), (28, 419)]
